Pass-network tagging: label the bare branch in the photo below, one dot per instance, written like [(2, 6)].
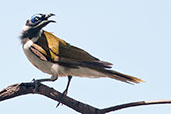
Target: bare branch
[(29, 88), (133, 104)]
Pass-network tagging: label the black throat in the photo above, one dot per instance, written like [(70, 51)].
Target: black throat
[(31, 33)]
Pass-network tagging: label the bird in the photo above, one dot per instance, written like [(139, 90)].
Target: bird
[(59, 58)]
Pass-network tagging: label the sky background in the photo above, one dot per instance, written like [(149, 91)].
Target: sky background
[(132, 34)]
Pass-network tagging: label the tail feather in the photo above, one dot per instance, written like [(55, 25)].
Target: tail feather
[(123, 77), (96, 72), (103, 67)]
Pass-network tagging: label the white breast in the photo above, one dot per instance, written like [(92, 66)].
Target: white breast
[(37, 62)]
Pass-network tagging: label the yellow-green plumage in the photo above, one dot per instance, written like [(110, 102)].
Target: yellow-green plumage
[(63, 49)]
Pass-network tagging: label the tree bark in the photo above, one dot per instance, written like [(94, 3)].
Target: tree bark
[(29, 88)]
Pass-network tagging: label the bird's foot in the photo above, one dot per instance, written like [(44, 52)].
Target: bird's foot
[(63, 94), (36, 85)]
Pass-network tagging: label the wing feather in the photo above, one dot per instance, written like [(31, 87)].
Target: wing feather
[(38, 51), (70, 55)]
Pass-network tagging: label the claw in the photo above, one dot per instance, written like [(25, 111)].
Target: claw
[(63, 94), (58, 104)]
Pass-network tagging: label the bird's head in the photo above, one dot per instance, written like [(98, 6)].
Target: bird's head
[(34, 25)]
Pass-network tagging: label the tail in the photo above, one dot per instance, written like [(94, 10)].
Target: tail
[(99, 69), (123, 77)]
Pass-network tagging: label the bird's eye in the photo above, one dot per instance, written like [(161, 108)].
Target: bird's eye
[(35, 18)]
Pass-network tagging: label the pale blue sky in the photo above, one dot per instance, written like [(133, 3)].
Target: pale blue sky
[(132, 34)]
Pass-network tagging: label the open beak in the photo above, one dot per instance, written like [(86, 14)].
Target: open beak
[(47, 16), (45, 21)]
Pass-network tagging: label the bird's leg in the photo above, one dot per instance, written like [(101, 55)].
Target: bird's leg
[(38, 81), (66, 89)]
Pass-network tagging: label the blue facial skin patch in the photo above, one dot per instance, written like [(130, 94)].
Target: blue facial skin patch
[(35, 18)]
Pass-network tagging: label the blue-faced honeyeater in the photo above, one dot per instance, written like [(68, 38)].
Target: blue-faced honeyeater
[(58, 58)]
